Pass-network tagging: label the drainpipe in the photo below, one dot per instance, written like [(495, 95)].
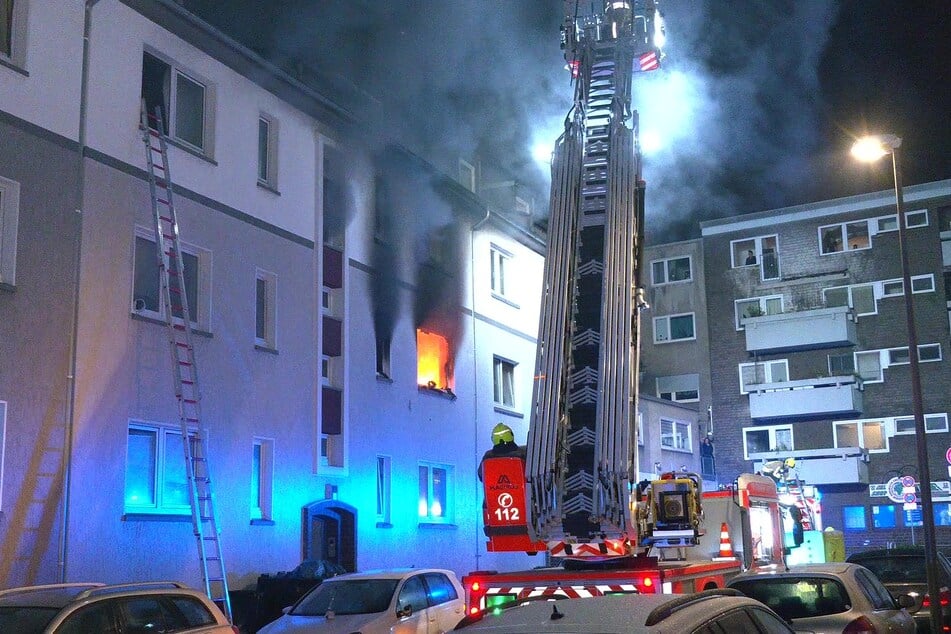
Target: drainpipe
[(475, 374)]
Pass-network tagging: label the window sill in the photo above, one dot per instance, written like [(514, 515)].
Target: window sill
[(268, 187), (155, 517), (384, 525), (267, 349), (262, 523), (505, 300), (383, 378), (685, 451), (7, 288), (501, 409), (191, 150), (437, 526), (161, 322), (8, 64), (446, 393)]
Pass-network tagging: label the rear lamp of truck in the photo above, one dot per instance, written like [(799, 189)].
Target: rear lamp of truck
[(944, 598)]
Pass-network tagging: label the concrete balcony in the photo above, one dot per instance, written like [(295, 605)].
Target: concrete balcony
[(842, 465), (807, 399), (800, 330)]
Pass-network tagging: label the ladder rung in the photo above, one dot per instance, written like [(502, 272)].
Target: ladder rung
[(190, 401), (164, 202), (191, 420)]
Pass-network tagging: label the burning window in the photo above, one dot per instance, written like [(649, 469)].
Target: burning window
[(434, 364)]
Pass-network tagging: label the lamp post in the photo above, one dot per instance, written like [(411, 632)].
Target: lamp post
[(871, 149)]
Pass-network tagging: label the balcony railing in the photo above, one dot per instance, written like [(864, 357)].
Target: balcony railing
[(801, 330), (840, 465), (806, 399)]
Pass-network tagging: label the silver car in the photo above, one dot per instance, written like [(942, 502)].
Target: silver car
[(422, 601), (831, 597)]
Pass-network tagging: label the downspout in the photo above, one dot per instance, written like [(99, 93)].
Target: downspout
[(74, 329), (475, 374)]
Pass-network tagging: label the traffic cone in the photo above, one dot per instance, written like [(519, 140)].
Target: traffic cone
[(726, 548)]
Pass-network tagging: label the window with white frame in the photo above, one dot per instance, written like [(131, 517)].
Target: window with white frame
[(467, 175), (262, 478), (671, 270), (753, 374), (146, 287), (681, 388), (500, 262), (267, 151), (182, 98), (884, 224), (756, 307), (764, 439), (845, 236), (927, 352), (762, 251), (265, 304), (868, 434), (9, 220), (155, 480), (919, 284), (859, 297), (503, 382), (3, 444), (916, 218), (675, 435), (435, 493), (674, 328), (868, 364), (841, 364), (934, 423), (383, 466)]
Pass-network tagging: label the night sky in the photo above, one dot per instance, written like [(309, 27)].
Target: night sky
[(755, 108)]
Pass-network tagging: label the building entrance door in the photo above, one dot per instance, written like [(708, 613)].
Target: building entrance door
[(329, 533)]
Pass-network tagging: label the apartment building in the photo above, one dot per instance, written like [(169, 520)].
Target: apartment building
[(809, 356), (362, 316)]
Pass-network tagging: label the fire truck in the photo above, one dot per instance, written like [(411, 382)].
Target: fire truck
[(575, 496)]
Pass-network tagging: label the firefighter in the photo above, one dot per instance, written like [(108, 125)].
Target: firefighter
[(503, 446)]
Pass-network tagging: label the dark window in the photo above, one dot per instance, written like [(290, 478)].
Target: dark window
[(383, 356), (264, 127), (6, 27), (260, 312), (98, 617), (877, 594), (737, 622), (156, 83), (194, 611), (413, 594), (146, 280)]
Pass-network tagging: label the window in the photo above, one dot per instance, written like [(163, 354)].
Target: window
[(3, 444), (841, 364), (916, 218), (683, 388), (523, 207), (440, 588), (503, 382), (640, 429), (848, 236), (265, 303), (883, 516), (267, 151), (898, 356), (927, 353), (886, 223), (467, 175), (181, 98), (13, 22), (500, 261), (893, 288), (671, 270), (435, 493), (869, 366), (764, 439), (146, 287), (763, 251), (934, 423), (756, 307), (383, 489), (870, 434), (433, 361), (6, 27), (383, 357), (853, 518), (155, 480), (9, 218), (262, 475), (942, 513), (752, 374), (860, 298), (922, 283), (674, 328), (675, 435)]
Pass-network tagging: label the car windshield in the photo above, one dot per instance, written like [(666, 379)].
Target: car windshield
[(357, 596), (25, 619), (797, 597), (892, 569)]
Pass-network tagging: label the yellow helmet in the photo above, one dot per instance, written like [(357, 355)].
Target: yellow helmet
[(502, 433)]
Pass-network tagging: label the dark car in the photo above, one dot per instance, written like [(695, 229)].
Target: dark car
[(902, 571)]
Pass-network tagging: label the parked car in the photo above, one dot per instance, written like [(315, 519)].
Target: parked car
[(82, 608), (832, 597), (412, 600), (718, 611), (902, 570)]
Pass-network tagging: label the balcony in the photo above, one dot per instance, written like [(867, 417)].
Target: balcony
[(807, 399), (800, 330), (842, 465)]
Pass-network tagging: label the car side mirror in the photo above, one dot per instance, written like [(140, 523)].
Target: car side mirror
[(906, 601), (404, 611)]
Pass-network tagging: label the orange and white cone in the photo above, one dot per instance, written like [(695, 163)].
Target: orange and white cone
[(726, 548)]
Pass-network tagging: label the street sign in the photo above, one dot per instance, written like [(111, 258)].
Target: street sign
[(893, 489), (947, 455)]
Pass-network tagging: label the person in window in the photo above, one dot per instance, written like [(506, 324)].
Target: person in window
[(750, 258), (503, 446)]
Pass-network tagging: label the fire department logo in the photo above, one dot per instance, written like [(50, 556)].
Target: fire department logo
[(506, 500)]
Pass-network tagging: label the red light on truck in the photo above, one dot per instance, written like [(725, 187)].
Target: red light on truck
[(473, 610), (647, 582), (475, 586)]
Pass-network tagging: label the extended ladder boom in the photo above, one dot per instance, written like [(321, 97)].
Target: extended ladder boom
[(178, 319)]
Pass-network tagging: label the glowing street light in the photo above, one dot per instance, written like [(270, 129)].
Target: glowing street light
[(870, 149)]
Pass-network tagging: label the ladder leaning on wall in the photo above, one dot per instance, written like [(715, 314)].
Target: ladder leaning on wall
[(177, 317)]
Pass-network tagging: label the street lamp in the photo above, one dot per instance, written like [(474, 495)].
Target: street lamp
[(870, 149)]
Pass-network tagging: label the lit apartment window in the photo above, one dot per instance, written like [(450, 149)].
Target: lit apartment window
[(763, 439), (870, 434), (500, 263), (262, 474), (146, 299), (383, 464), (267, 151), (503, 382), (853, 518), (671, 270), (753, 374), (435, 493), (182, 100), (674, 328), (756, 307), (434, 361), (9, 218), (675, 435), (762, 251), (265, 305), (846, 236), (155, 480)]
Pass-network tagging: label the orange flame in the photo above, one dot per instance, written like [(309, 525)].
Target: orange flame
[(433, 364)]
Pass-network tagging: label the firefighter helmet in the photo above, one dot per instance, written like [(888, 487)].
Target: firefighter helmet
[(502, 433)]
